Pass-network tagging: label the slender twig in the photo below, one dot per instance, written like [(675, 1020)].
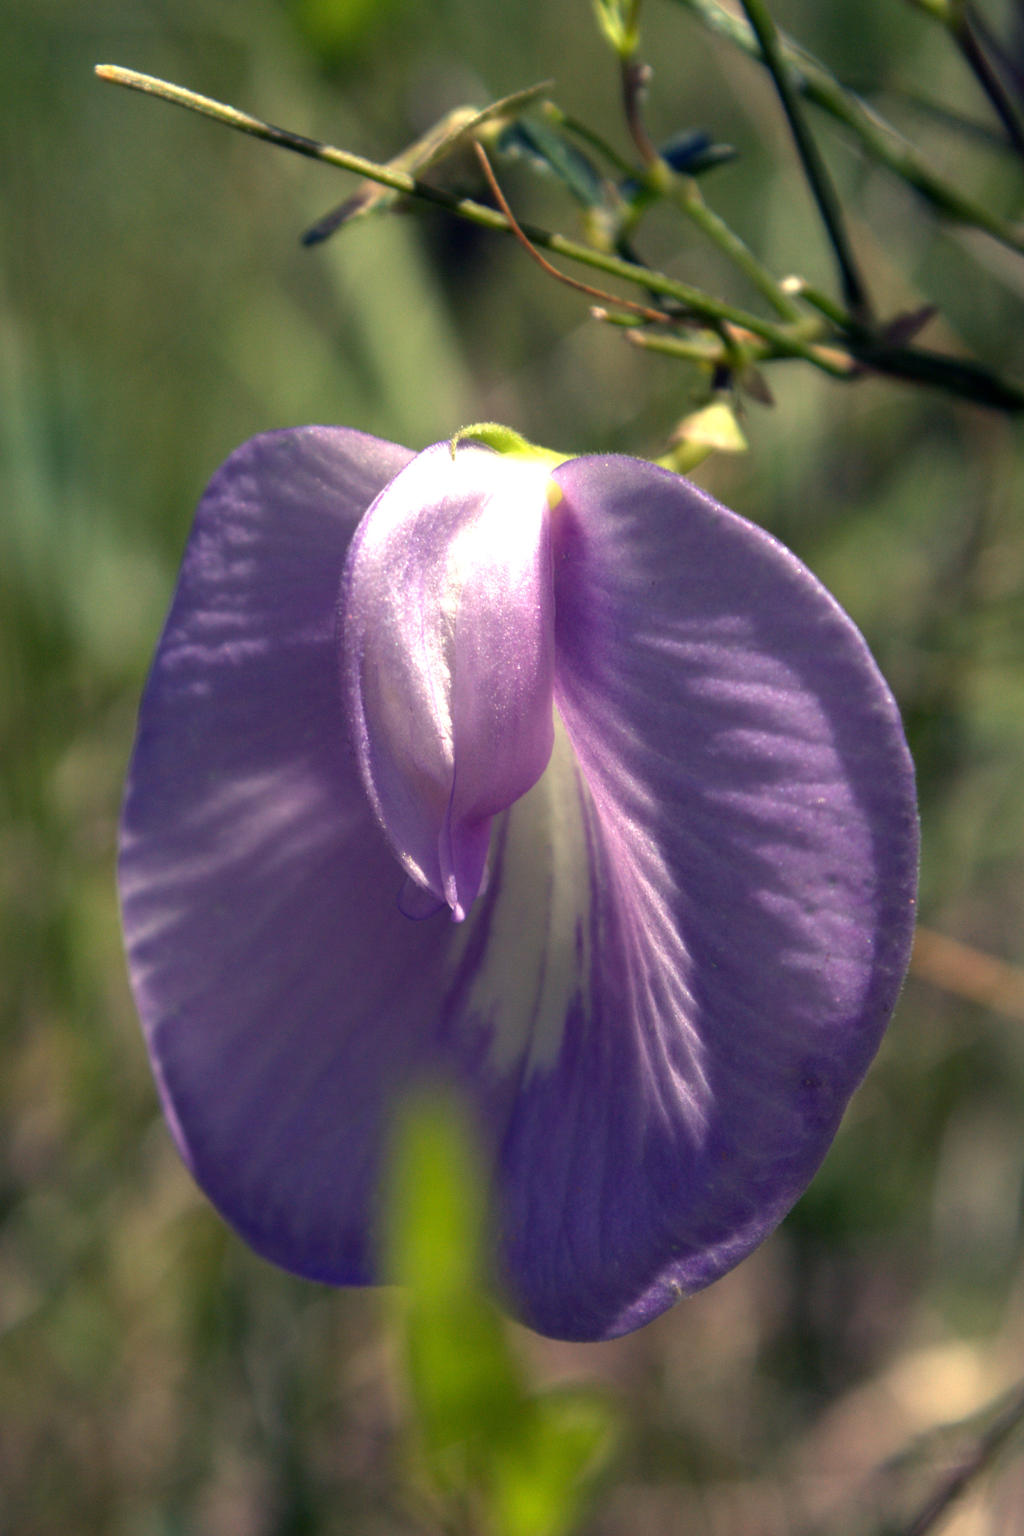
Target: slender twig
[(636, 77), (454, 129), (822, 302), (877, 137), (588, 136), (703, 347), (956, 376), (983, 133), (981, 51), (1003, 56), (838, 357), (831, 360), (654, 315), (970, 41), (979, 1461), (685, 193), (815, 169), (693, 300)]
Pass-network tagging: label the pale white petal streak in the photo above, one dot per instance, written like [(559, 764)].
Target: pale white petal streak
[(530, 944)]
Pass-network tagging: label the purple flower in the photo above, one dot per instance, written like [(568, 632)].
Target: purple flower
[(620, 735)]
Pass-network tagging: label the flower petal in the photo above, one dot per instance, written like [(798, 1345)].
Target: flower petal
[(250, 858), (449, 645), (695, 925), (288, 1003), (752, 837)]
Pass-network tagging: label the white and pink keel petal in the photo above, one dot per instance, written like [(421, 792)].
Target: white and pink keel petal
[(449, 656)]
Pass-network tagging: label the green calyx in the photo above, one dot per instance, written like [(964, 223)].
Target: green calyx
[(491, 434)]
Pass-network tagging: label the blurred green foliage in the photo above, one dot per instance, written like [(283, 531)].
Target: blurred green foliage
[(501, 1460), (155, 309)]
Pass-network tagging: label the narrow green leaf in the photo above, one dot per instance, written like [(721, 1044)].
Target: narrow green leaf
[(441, 140), (548, 151)]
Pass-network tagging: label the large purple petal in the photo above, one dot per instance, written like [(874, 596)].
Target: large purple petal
[(249, 856), (752, 840), (287, 1002)]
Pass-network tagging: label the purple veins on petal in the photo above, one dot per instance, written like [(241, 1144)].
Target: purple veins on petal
[(629, 739)]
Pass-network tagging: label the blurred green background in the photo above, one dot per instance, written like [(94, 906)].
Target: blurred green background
[(156, 308)]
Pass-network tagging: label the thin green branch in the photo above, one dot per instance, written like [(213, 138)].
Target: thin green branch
[(971, 36), (970, 41), (815, 169), (396, 174), (837, 364), (691, 301), (457, 127), (654, 316), (593, 140), (988, 1447), (953, 375), (685, 193), (878, 138), (822, 302), (973, 128), (811, 339)]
